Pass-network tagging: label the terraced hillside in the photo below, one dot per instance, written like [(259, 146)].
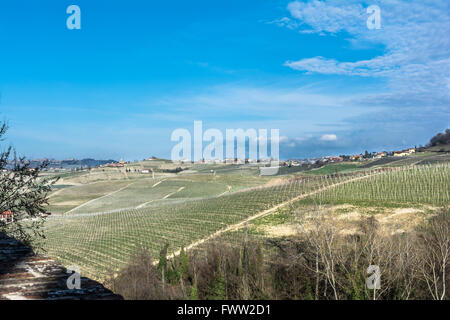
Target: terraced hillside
[(99, 237), (101, 242)]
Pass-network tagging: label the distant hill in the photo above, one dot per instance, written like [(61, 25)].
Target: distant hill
[(86, 162), (71, 163), (437, 148)]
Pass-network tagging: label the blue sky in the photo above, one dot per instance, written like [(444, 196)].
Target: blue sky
[(137, 70)]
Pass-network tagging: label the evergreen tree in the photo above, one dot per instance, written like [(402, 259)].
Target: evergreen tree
[(194, 292), (162, 265), (184, 263), (218, 287)]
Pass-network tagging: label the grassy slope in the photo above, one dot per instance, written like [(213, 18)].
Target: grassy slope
[(331, 168), (142, 190), (67, 198)]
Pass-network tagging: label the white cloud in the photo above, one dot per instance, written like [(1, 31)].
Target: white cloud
[(323, 17), (328, 137), (284, 22), (373, 67)]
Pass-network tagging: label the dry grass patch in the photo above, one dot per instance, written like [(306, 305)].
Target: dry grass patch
[(347, 218)]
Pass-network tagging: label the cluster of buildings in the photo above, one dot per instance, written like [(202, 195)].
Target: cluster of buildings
[(243, 161), (312, 161), (226, 160), (372, 155), (113, 165), (355, 157), (119, 164), (7, 216), (404, 153), (379, 155)]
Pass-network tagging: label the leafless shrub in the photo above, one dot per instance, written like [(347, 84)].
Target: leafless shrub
[(320, 262), (434, 244), (140, 280)]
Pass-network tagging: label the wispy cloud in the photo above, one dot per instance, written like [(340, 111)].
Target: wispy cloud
[(285, 22), (259, 101), (328, 137), (414, 34)]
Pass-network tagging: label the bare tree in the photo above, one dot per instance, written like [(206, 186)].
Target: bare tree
[(322, 237), (434, 240)]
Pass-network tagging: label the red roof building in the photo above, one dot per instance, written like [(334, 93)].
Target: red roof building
[(7, 216)]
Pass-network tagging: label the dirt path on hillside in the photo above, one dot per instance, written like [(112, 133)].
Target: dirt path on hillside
[(228, 190), (171, 194), (158, 183), (109, 194), (261, 214), (165, 197), (71, 184), (104, 196)]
